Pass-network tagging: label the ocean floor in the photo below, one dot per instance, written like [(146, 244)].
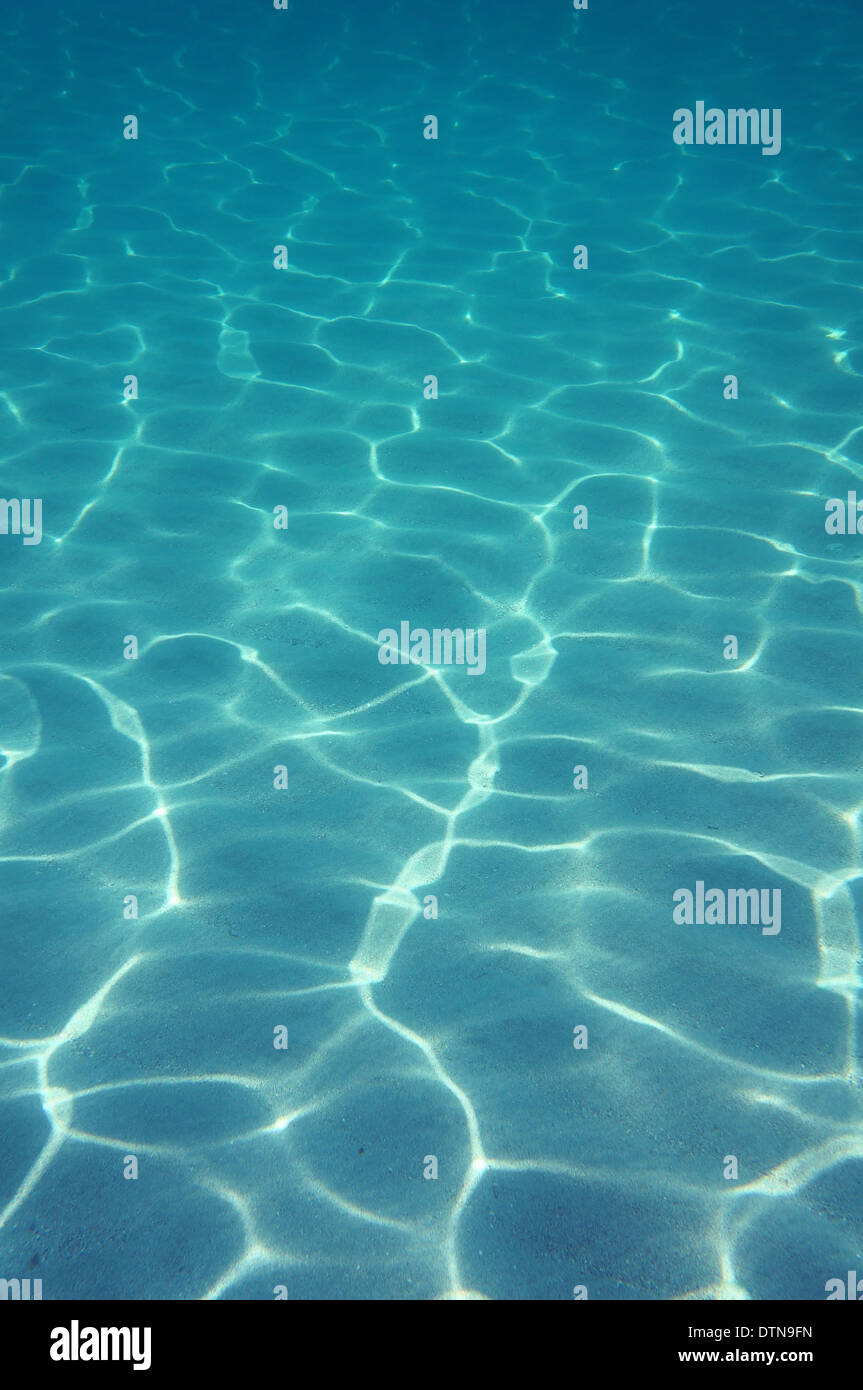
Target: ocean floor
[(345, 979)]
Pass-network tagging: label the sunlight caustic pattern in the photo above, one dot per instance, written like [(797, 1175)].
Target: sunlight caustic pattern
[(409, 1036)]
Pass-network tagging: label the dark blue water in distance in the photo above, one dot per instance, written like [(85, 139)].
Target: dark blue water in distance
[(520, 1062)]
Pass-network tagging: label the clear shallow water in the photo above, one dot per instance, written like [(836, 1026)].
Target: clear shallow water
[(411, 1037)]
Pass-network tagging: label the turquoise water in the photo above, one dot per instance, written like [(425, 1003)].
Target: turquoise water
[(148, 782)]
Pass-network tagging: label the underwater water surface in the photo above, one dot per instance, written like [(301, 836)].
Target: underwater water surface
[(362, 980)]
